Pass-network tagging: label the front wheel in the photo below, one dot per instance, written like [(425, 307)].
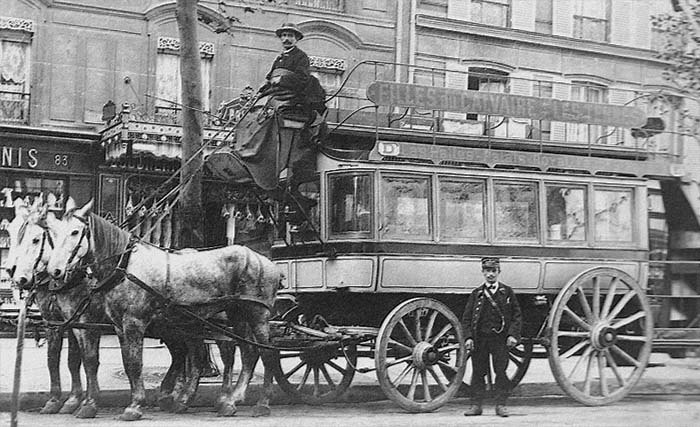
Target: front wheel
[(420, 355)]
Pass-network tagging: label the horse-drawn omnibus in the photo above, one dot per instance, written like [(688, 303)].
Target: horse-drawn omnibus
[(381, 264)]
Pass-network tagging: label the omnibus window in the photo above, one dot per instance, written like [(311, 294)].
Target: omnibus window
[(461, 210), (405, 207), (566, 213), (351, 203), (613, 215), (516, 211)]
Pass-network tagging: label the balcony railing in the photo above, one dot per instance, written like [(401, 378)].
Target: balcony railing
[(333, 5), (14, 107)]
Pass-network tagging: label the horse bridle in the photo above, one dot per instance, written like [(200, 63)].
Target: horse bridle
[(84, 235), (45, 238)]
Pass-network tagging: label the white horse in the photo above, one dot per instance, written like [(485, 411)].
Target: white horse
[(233, 279), (32, 245)]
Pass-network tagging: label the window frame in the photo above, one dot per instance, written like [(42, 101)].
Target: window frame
[(634, 216), (536, 184), (439, 179), (371, 233), (429, 178), (586, 211)]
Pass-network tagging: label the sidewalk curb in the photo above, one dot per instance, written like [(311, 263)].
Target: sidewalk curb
[(207, 394)]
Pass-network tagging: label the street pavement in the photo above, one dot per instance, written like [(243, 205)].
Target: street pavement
[(664, 375)]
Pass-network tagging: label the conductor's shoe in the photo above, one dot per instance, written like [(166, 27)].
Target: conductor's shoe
[(502, 411), (473, 410)]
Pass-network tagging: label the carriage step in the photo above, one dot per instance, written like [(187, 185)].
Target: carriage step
[(676, 337)]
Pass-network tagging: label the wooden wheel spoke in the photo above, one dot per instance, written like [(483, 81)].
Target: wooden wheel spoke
[(306, 377), (296, 368), (583, 357), (515, 359), (437, 379), (627, 320), (596, 298), (327, 376), (636, 338), (448, 348), (407, 333), (613, 367), (414, 382), (431, 323), (317, 382), (426, 386), (289, 355), (402, 375), (622, 353), (577, 319), (336, 367), (601, 372), (401, 346), (574, 334), (440, 334), (419, 334), (609, 298), (444, 365), (620, 305), (573, 350), (584, 304), (589, 375), (398, 361)]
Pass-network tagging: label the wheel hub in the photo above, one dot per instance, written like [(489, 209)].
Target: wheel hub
[(603, 336), (424, 355)]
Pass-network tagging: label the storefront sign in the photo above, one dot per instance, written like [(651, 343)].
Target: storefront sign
[(33, 158), (503, 104)]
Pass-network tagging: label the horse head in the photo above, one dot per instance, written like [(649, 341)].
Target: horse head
[(31, 243), (73, 243)]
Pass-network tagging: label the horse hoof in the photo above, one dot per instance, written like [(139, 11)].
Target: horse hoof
[(226, 410), (166, 403), (70, 405), (131, 414), (179, 408), (87, 410), (261, 411), (52, 406)]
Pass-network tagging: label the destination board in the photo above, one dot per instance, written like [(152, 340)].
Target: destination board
[(503, 104)]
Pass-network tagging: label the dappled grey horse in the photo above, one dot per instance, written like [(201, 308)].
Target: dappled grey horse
[(149, 281), (30, 250)]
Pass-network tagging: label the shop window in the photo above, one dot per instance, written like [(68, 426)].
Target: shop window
[(461, 205), (491, 12), (14, 69), (27, 188), (581, 132), (350, 204), (405, 208), (515, 211), (613, 215), (566, 213), (591, 20), (168, 86), (543, 16)]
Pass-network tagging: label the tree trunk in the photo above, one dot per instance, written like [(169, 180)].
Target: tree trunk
[(190, 210)]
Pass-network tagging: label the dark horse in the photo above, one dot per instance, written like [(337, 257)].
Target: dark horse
[(29, 253), (234, 280)]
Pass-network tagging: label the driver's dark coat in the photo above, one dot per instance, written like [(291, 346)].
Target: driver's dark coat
[(296, 61), (505, 299)]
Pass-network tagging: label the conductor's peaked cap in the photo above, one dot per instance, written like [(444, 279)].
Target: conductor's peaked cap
[(289, 27), (490, 262)]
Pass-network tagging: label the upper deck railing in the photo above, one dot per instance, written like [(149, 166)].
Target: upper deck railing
[(349, 105)]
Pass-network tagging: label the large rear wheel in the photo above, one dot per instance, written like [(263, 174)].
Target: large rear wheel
[(420, 355), (599, 320)]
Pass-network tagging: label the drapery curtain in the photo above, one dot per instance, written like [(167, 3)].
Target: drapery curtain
[(14, 69), (168, 88)]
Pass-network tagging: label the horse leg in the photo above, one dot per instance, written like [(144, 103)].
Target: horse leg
[(198, 355), (249, 357), (172, 381), (89, 341), (227, 350), (259, 320), (131, 343), (54, 343), (74, 362)]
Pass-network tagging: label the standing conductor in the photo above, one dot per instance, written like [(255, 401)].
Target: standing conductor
[(491, 323)]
